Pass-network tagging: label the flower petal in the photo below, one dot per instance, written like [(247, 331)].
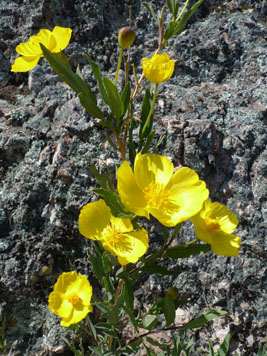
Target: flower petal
[(59, 305), (29, 49), (130, 193), (122, 225), (23, 64), (152, 168), (226, 218), (46, 38), (94, 218), (188, 192), (62, 36), (130, 248), (159, 68), (225, 244)]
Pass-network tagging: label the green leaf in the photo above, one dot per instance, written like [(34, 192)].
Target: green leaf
[(125, 97), (173, 6), (90, 108), (128, 294), (183, 21), (203, 319), (146, 105), (168, 309), (224, 347), (262, 351), (114, 202), (152, 12), (98, 77), (113, 315), (131, 145), (169, 30), (97, 266), (183, 251), (158, 269), (74, 80), (132, 318), (115, 102), (148, 142), (150, 322)]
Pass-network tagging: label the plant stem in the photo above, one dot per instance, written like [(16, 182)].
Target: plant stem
[(183, 10), (116, 296), (118, 66), (150, 111)]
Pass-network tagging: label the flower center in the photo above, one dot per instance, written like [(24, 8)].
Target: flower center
[(73, 298), (155, 195), (112, 235), (212, 224)]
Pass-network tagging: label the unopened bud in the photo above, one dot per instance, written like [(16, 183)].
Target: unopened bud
[(173, 293), (126, 37)]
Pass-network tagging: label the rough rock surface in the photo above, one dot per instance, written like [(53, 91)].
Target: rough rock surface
[(212, 114)]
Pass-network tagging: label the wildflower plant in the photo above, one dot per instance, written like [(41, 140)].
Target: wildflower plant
[(147, 185)]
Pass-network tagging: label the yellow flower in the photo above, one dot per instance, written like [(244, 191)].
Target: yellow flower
[(159, 68), (154, 189), (71, 298), (31, 52), (214, 225), (116, 234)]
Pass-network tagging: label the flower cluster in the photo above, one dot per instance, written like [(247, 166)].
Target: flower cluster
[(31, 52), (151, 188)]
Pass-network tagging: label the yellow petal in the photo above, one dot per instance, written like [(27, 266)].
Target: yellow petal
[(188, 192), (159, 68), (29, 49), (46, 38), (23, 64), (93, 219), (225, 244), (122, 225), (225, 217), (76, 316), (130, 247), (59, 305), (131, 195), (62, 36), (152, 168)]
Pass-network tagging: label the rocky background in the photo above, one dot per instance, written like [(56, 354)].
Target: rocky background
[(212, 114)]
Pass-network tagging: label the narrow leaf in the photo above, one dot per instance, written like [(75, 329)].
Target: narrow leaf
[(64, 71), (115, 102), (113, 201), (183, 251), (97, 74), (223, 350), (168, 309), (203, 319), (125, 97), (152, 12), (90, 107), (183, 22), (150, 322)]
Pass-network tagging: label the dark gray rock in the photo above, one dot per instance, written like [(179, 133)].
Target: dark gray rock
[(212, 114)]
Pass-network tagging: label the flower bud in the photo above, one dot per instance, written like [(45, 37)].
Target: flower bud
[(173, 293), (126, 37)]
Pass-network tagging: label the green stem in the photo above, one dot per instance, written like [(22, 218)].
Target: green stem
[(183, 10), (118, 66), (151, 110)]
